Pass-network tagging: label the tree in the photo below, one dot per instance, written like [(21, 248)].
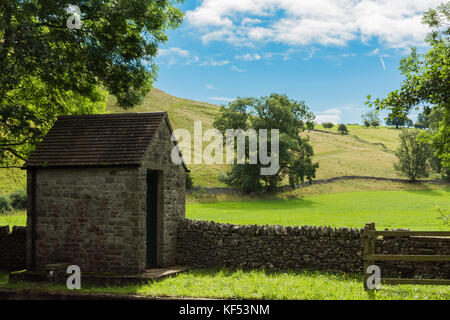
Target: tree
[(276, 111), (398, 121), (328, 125), (423, 120), (427, 83), (48, 69), (370, 117), (413, 155), (375, 123), (343, 129)]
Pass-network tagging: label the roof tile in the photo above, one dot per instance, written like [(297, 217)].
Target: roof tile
[(97, 140)]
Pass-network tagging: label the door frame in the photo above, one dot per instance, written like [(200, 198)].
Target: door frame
[(153, 214)]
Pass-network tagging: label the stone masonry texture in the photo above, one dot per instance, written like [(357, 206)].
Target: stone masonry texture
[(12, 248), (209, 244)]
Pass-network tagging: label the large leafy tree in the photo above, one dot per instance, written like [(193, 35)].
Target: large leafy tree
[(48, 69), (276, 111), (427, 83)]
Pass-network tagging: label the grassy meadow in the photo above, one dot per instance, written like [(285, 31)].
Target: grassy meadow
[(416, 210), (388, 136)]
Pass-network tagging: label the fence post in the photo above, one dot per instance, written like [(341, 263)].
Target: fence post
[(366, 252), (372, 239), (369, 249)]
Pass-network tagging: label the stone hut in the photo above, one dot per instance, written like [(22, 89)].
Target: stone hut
[(104, 193)]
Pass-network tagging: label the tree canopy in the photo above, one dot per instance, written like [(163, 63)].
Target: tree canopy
[(413, 156), (427, 84), (49, 69), (276, 111), (398, 121), (370, 117)]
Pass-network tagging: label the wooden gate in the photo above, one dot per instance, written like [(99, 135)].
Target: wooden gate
[(370, 234)]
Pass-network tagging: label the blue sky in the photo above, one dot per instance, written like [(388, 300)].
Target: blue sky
[(331, 54)]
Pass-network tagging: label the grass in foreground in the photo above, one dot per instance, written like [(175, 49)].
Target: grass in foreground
[(416, 210), (209, 283)]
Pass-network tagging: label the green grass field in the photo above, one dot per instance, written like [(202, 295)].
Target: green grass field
[(260, 285), (415, 210)]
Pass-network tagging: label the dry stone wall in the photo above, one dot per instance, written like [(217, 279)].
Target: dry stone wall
[(13, 248), (209, 244)]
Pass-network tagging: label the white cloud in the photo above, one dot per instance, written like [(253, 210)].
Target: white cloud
[(223, 99), (396, 24), (215, 63), (210, 87), (248, 57), (329, 115), (174, 51), (321, 118), (173, 54), (234, 68)]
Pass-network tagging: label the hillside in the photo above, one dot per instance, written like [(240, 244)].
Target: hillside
[(359, 153), (182, 114)]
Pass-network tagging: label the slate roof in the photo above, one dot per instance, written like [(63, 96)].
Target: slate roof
[(98, 140)]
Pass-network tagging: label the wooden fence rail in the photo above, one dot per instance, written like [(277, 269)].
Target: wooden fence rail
[(370, 235)]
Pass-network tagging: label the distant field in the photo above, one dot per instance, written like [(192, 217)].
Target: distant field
[(388, 209), (386, 135)]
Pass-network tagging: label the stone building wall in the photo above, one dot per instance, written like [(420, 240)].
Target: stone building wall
[(172, 192), (209, 244), (12, 248), (87, 217)]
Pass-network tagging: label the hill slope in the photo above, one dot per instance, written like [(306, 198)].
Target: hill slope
[(358, 153)]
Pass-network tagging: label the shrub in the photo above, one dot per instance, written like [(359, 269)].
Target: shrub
[(343, 129), (4, 204), (328, 124), (375, 123), (413, 155), (367, 123), (19, 199)]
